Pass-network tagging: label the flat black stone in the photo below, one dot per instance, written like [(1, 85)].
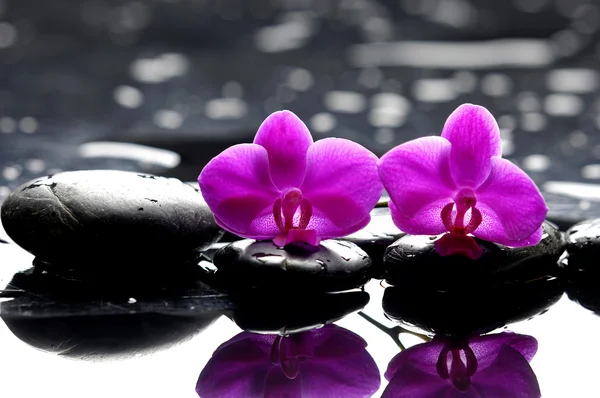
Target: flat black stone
[(413, 260), (109, 217), (375, 238), (332, 266)]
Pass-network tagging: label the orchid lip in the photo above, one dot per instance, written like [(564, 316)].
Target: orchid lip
[(457, 364), (464, 201), (285, 209)]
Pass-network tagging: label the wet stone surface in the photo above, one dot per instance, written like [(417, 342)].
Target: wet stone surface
[(413, 260), (109, 217), (375, 238), (583, 244), (582, 269), (332, 266)]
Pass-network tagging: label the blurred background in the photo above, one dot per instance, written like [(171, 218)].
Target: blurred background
[(162, 86)]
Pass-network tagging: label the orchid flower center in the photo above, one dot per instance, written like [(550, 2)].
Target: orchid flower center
[(288, 352), (457, 364), (464, 201), (292, 213)]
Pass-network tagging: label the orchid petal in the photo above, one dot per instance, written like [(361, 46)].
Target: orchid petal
[(278, 385), (487, 347), (341, 182), (422, 356), (346, 376), (412, 382), (326, 229), (417, 177), (286, 139), (514, 199), (509, 375), (243, 357), (237, 187), (475, 138), (332, 341), (426, 222)]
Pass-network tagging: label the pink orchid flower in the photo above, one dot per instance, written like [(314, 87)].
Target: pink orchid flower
[(459, 183), (328, 362), (492, 366), (288, 188)]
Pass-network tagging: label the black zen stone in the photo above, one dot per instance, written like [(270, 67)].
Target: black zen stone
[(332, 266), (583, 245), (582, 269), (412, 259), (375, 238), (109, 217), (455, 295)]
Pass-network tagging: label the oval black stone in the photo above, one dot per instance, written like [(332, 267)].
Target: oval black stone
[(582, 269), (332, 266), (375, 238), (583, 244), (412, 259), (111, 217)]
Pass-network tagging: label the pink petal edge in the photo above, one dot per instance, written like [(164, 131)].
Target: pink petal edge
[(286, 139), (237, 187), (475, 138), (417, 177), (514, 200), (341, 184)]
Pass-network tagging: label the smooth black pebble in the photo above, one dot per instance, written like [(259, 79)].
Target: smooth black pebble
[(109, 217), (332, 266), (375, 238), (413, 259), (455, 295), (582, 266)]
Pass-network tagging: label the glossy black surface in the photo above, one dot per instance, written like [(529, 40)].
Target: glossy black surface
[(334, 265), (109, 217), (413, 261)]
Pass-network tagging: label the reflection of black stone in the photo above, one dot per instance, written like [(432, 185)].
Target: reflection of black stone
[(332, 266), (266, 313), (413, 259), (471, 310), (455, 295), (105, 216), (73, 318), (94, 337), (375, 238), (582, 269)]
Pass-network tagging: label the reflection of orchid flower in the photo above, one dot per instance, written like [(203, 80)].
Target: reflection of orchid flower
[(326, 362), (288, 188), (491, 366), (459, 183)]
